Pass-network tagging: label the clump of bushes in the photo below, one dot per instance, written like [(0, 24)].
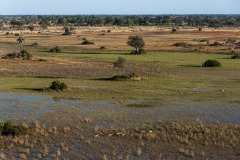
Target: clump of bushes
[(235, 55), (120, 62), (23, 54), (35, 44), (181, 44), (86, 42), (102, 47), (174, 30), (56, 49), (203, 40), (8, 128), (211, 63), (129, 76), (216, 44), (56, 85)]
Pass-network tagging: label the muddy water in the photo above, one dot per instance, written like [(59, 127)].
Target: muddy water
[(32, 107)]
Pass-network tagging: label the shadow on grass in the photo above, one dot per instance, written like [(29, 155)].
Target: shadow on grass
[(49, 77), (32, 89), (190, 65), (88, 52), (104, 79), (139, 105)]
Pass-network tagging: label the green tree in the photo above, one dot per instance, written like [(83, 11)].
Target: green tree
[(138, 43), (20, 41), (31, 28)]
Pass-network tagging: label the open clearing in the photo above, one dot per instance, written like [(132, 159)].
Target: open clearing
[(178, 109)]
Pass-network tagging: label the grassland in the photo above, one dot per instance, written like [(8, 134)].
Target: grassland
[(169, 75)]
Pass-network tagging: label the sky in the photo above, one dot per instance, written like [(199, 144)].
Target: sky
[(66, 7)]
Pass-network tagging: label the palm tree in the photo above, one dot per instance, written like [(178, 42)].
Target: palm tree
[(20, 41)]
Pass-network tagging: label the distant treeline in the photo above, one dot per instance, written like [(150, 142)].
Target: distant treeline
[(123, 20)]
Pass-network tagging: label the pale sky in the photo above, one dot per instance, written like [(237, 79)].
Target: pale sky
[(45, 7)]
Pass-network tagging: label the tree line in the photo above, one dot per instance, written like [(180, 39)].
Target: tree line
[(123, 20)]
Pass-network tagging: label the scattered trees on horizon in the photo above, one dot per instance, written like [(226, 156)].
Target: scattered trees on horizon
[(198, 21)]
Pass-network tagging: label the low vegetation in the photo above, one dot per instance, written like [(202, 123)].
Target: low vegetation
[(23, 55), (86, 42), (216, 44), (120, 62), (181, 44), (211, 63), (127, 76), (8, 128), (58, 86), (56, 49), (236, 55)]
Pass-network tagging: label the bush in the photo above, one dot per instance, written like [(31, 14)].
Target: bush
[(23, 54), (203, 40), (86, 42), (128, 76), (8, 128), (181, 44), (211, 63), (102, 47), (35, 44), (17, 34), (56, 85), (174, 30), (216, 44), (235, 55), (120, 62), (56, 49)]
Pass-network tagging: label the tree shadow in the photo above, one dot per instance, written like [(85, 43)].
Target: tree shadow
[(49, 77), (190, 65), (31, 89)]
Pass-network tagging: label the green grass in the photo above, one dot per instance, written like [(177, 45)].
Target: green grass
[(162, 58), (180, 77)]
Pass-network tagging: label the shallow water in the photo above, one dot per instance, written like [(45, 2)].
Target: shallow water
[(32, 107)]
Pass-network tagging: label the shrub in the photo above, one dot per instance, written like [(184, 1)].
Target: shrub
[(86, 42), (120, 62), (216, 44), (35, 44), (8, 128), (203, 40), (181, 44), (235, 55), (174, 30), (102, 47), (23, 54), (56, 49), (17, 34), (127, 76), (211, 63), (56, 85)]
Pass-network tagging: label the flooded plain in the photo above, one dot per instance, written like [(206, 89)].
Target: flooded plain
[(33, 107)]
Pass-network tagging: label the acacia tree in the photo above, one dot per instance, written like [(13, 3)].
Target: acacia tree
[(20, 41), (31, 28), (138, 43)]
